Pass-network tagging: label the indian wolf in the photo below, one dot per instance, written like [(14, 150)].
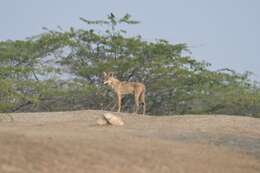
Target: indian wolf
[(123, 87)]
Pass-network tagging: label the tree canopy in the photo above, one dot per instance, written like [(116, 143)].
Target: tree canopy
[(62, 70)]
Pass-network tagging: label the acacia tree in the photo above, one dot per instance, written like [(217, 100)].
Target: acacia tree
[(62, 70)]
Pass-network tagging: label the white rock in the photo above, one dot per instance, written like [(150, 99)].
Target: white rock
[(113, 120), (102, 121)]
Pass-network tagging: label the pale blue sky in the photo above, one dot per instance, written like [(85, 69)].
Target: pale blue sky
[(225, 33)]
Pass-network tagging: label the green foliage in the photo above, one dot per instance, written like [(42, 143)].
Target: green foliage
[(62, 70)]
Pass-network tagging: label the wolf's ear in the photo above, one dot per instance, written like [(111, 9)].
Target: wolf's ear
[(104, 73), (111, 74)]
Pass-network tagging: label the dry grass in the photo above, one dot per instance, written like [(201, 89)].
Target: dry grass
[(72, 142)]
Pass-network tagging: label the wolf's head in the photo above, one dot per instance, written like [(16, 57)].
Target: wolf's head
[(108, 78)]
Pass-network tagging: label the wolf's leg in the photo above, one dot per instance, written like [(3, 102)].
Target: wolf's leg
[(142, 100), (137, 102), (119, 101)]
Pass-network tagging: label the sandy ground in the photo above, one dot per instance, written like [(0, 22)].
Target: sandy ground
[(71, 142)]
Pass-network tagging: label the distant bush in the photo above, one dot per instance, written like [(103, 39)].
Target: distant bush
[(62, 70)]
